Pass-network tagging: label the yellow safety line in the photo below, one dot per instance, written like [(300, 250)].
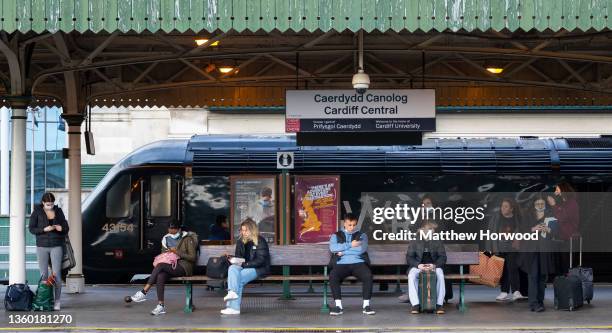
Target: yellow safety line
[(297, 329)]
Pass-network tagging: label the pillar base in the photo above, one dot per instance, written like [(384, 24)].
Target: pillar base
[(75, 284)]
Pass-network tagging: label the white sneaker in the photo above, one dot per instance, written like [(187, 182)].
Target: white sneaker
[(231, 295), (159, 310), (56, 306), (502, 297), (139, 297), (230, 311), (517, 295)]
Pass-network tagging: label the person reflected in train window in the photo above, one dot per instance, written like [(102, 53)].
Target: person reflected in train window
[(349, 248), (251, 261), (426, 256), (178, 257), (49, 225), (538, 257), (565, 209), (506, 221), (220, 230)]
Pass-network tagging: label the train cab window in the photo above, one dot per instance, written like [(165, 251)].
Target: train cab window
[(161, 196), (118, 198)]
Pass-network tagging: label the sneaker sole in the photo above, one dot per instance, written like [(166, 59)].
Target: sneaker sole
[(336, 313), (369, 313), (139, 301), (225, 299)]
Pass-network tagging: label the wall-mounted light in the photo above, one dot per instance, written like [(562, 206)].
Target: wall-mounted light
[(200, 41)]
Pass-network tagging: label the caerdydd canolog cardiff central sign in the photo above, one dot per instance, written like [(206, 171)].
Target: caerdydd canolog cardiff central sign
[(349, 111)]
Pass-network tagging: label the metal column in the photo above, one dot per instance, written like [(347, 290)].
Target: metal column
[(75, 282), (17, 271)]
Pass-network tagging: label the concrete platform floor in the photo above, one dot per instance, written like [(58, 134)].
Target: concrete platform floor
[(102, 308)]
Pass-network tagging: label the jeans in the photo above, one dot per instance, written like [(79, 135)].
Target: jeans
[(413, 286), (57, 254), (237, 278)]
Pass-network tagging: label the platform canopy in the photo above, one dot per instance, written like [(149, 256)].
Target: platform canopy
[(298, 15)]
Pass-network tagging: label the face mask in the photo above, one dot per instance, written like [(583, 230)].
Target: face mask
[(540, 209), (48, 206), (176, 236), (265, 203)]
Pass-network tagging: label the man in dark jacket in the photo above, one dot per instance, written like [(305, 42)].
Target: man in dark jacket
[(424, 256)]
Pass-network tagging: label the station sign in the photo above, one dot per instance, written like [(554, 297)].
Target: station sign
[(384, 110)]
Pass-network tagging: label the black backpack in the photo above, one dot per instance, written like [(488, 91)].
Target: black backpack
[(341, 238)]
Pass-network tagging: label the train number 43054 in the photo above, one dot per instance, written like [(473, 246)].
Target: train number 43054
[(118, 227)]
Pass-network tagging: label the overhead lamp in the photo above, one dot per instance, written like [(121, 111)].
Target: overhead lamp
[(200, 41), (495, 69), (226, 69)]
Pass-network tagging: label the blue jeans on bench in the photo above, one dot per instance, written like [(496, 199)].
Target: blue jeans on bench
[(237, 278)]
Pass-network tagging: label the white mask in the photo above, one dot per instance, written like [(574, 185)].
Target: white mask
[(176, 236), (48, 206)]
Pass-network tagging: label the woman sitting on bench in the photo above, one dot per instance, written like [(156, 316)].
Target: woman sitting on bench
[(178, 258), (251, 261)]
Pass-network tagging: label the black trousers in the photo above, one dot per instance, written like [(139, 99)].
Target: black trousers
[(510, 279), (161, 273), (537, 284), (361, 271)]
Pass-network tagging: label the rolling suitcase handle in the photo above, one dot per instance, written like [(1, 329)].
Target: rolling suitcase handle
[(571, 251)]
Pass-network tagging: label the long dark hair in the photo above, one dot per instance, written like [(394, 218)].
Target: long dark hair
[(567, 190)]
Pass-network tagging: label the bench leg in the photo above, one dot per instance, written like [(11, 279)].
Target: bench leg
[(398, 286), (286, 285), (461, 305), (188, 297), (310, 288), (325, 307)]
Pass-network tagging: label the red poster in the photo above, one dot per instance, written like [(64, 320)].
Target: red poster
[(316, 200)]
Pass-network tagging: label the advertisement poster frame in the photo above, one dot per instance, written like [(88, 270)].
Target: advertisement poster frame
[(301, 212), (235, 221)]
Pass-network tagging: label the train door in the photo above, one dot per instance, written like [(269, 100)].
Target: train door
[(161, 205)]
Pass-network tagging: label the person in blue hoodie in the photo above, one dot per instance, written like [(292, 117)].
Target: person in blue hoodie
[(349, 258)]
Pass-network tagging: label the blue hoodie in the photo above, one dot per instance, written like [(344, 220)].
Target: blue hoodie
[(351, 255)]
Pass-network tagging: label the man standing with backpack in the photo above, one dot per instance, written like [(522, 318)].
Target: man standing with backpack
[(349, 257)]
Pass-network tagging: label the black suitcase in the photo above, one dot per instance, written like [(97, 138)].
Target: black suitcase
[(585, 274), (568, 293), (428, 294)]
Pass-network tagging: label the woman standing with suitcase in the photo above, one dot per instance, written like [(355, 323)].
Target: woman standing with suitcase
[(50, 227), (539, 258)]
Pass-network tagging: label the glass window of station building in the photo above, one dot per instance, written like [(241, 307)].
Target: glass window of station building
[(45, 139)]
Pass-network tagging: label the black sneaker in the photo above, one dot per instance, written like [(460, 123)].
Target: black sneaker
[(415, 309), (368, 310), (335, 311)]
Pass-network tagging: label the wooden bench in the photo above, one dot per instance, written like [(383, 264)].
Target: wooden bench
[(310, 255)]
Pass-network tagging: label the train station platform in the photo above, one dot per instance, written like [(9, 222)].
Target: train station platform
[(102, 308)]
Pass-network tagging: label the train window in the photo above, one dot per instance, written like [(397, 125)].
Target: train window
[(161, 196), (118, 198)]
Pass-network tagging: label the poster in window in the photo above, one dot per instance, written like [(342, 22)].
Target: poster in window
[(316, 213), (254, 197)]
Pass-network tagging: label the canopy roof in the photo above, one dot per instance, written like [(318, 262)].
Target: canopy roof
[(298, 15)]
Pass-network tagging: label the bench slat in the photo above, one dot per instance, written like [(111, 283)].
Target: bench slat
[(379, 277), (318, 254)]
